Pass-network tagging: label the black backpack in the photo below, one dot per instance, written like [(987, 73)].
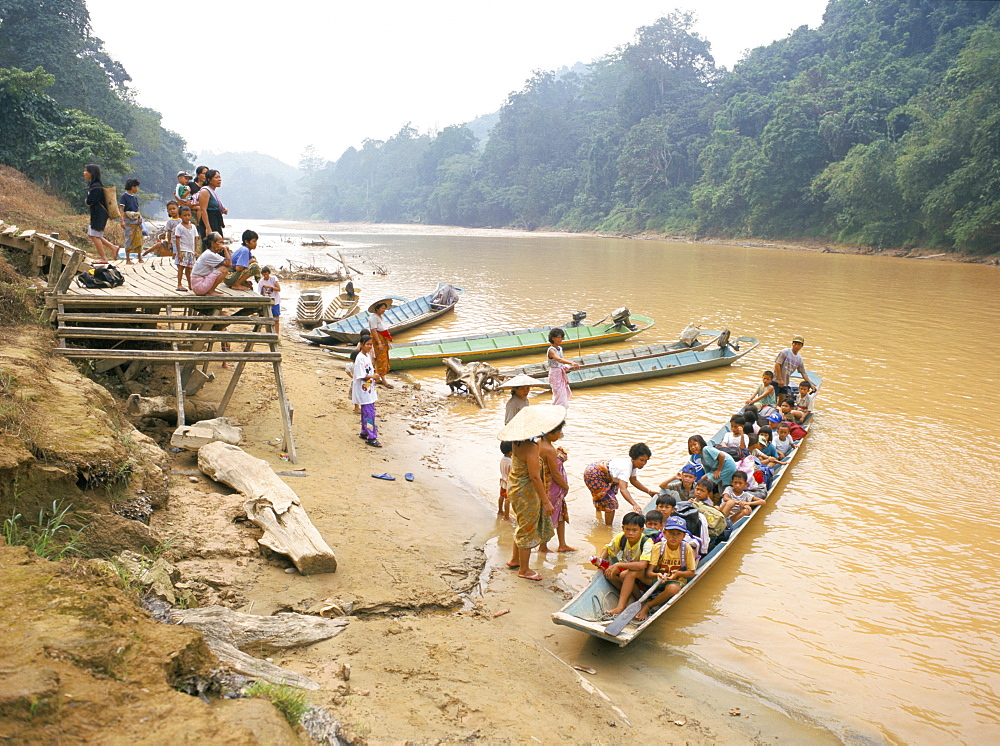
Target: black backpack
[(110, 274), (686, 511)]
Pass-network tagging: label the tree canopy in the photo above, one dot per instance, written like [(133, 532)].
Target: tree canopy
[(879, 127)]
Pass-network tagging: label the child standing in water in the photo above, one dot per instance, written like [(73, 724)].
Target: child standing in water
[(503, 506), (363, 390), (558, 366)]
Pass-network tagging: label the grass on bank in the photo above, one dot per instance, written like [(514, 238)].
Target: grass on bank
[(291, 702), (49, 537)]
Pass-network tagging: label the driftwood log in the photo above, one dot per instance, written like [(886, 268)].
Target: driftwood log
[(228, 632), (271, 504), (165, 408), (193, 437), (476, 378)]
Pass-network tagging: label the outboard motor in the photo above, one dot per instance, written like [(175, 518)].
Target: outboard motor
[(578, 318), (621, 316)]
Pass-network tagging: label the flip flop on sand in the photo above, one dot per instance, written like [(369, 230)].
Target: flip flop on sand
[(386, 477), (408, 476), (533, 576)]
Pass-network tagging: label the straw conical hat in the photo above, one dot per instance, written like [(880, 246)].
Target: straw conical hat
[(373, 306), (531, 422), (522, 380)]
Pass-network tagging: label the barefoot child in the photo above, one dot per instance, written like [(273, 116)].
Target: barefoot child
[(167, 242), (737, 499), (558, 366), (629, 554), (554, 477), (184, 236), (673, 560), (503, 505), (270, 287)]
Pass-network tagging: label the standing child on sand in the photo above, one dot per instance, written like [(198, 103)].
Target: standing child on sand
[(503, 506), (270, 286), (131, 220), (558, 366), (554, 477), (184, 237), (363, 392)]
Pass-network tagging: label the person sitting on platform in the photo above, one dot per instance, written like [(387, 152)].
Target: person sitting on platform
[(210, 267), (244, 265)]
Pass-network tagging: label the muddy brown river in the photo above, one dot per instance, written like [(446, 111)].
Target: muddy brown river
[(866, 596)]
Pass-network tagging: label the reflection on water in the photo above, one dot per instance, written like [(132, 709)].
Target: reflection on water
[(867, 594)]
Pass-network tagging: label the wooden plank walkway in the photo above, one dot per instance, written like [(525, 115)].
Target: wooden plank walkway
[(147, 321)]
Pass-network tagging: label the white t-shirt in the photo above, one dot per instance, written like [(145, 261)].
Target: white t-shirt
[(267, 287), (734, 441), (621, 469), (185, 236), (377, 323), (205, 263), (805, 403), (362, 391)]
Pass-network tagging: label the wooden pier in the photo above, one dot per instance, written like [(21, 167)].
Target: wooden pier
[(146, 321)]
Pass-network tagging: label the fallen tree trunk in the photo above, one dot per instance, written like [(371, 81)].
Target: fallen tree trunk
[(227, 631), (272, 505), (194, 437), (165, 408), (476, 378)]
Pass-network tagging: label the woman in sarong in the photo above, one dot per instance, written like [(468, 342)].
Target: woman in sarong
[(528, 497), (381, 338), (558, 366), (556, 484), (131, 220), (605, 479)]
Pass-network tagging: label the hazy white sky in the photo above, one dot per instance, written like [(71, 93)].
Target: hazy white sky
[(275, 77)]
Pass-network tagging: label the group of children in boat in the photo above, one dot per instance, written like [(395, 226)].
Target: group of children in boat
[(695, 512)]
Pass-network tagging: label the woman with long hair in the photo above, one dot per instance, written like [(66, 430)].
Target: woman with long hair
[(210, 207), (98, 205)]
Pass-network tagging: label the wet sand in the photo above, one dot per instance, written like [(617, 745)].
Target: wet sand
[(445, 642)]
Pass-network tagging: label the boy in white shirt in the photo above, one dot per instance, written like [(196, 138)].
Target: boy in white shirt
[(183, 238)]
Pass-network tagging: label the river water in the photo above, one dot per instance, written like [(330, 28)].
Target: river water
[(866, 599)]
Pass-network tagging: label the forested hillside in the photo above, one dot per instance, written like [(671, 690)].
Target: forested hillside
[(65, 102), (880, 127), (257, 185)]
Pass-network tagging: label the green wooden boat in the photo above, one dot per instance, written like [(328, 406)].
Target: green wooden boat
[(585, 611), (541, 370), (508, 344)]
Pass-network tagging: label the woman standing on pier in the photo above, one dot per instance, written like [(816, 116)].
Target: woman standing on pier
[(210, 207), (98, 205)]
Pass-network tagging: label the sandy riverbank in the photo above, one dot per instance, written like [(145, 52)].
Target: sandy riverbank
[(444, 643)]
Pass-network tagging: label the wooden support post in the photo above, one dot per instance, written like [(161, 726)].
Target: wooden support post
[(65, 278), (180, 391), (236, 376), (55, 266), (37, 253)]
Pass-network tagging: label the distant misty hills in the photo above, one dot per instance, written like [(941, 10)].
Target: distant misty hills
[(255, 185)]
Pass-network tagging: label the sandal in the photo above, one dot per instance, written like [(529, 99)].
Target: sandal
[(374, 444), (387, 477)]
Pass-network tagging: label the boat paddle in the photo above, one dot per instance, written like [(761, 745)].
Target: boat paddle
[(622, 620)]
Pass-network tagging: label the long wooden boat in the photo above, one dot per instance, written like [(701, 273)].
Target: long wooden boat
[(541, 370), (508, 344), (399, 318), (341, 307), (309, 309), (627, 371), (584, 611)]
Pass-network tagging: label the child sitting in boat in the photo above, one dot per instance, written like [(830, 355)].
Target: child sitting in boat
[(704, 492), (766, 395), (735, 442), (737, 499), (665, 503), (672, 561), (681, 483), (654, 525), (628, 552), (803, 402), (784, 444)]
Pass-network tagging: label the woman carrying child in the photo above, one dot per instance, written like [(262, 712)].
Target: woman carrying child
[(556, 484), (558, 366), (525, 489), (605, 479)]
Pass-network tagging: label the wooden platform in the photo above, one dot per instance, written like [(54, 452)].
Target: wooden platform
[(146, 321)]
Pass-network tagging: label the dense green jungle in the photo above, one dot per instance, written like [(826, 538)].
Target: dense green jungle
[(880, 128)]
